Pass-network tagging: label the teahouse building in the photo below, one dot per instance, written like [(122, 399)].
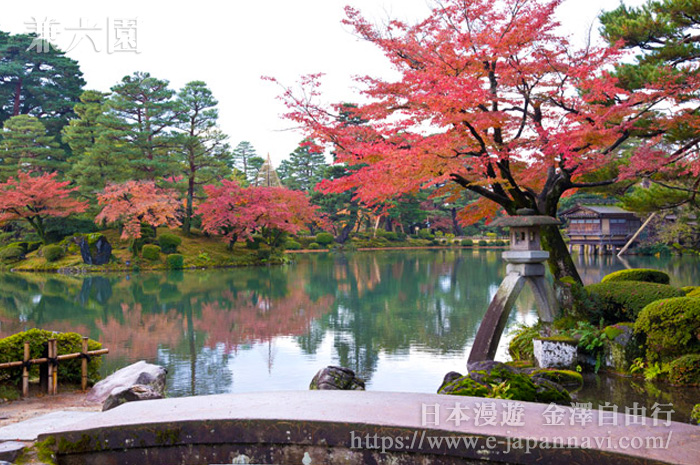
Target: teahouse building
[(599, 229)]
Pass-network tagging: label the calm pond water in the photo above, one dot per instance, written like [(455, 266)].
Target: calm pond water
[(400, 319)]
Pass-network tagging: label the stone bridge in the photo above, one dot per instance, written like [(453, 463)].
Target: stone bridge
[(343, 427)]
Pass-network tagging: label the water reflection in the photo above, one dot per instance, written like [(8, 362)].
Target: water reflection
[(399, 319)]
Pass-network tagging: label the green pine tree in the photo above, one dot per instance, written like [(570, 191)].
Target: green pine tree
[(26, 146)]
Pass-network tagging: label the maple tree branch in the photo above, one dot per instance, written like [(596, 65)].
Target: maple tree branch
[(504, 201)]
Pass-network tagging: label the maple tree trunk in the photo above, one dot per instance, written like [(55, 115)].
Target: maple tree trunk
[(457, 229), (560, 262)]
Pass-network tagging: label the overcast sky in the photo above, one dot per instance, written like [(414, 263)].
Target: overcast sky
[(230, 45)]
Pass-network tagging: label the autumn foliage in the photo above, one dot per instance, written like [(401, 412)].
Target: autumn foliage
[(35, 198), (135, 202), (236, 212), (492, 99)]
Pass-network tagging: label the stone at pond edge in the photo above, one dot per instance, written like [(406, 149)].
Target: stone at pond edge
[(565, 378), (102, 253), (10, 450), (336, 378), (496, 379), (141, 373), (130, 394), (621, 347)]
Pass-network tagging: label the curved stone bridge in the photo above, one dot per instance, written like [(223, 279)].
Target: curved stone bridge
[(339, 427)]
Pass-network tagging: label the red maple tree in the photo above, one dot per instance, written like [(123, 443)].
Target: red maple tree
[(493, 100), (35, 198), (136, 202), (236, 212)]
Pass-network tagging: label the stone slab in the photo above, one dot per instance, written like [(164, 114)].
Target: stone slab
[(10, 450), (29, 430), (320, 421)]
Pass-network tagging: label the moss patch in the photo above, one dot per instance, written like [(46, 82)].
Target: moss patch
[(565, 378), (671, 327), (638, 274)]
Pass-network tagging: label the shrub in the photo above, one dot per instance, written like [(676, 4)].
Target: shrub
[(400, 236), (314, 246), (425, 234), (22, 245), (482, 243), (671, 327), (12, 349), (150, 252), (58, 228), (639, 274), (32, 246), (324, 238), (695, 293), (53, 253), (685, 370), (169, 243), (254, 242), (620, 301), (390, 235), (175, 261), (499, 243), (292, 245), (11, 253), (467, 243), (521, 347)]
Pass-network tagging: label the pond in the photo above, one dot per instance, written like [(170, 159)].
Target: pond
[(400, 319)]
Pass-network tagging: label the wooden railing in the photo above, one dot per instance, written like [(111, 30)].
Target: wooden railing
[(52, 360)]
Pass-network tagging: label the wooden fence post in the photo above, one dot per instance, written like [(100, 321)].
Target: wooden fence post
[(84, 364), (49, 365), (53, 367), (25, 371)]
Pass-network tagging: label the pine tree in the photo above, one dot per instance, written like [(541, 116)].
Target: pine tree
[(142, 115), (305, 167), (27, 147), (204, 153), (247, 161)]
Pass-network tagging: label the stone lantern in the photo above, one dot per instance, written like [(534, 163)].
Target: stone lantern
[(525, 265)]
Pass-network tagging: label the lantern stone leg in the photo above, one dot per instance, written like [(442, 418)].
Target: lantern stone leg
[(525, 266)]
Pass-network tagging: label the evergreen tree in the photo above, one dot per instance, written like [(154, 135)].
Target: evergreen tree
[(142, 116), (247, 160), (45, 85), (204, 153), (27, 147), (97, 159), (305, 167)]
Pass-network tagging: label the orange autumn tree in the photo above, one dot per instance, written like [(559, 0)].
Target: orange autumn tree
[(491, 98), (35, 198), (135, 202)]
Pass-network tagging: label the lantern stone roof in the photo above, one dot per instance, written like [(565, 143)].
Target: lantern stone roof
[(524, 221)]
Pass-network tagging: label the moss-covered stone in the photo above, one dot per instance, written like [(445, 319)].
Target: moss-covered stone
[(548, 391), (695, 415), (464, 386), (622, 346), (565, 378), (638, 274), (671, 327), (689, 289)]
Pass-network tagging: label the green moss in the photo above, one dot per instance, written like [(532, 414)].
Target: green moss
[(694, 293), (53, 253), (671, 327), (638, 274), (464, 386), (12, 253), (167, 436), (520, 346), (520, 364), (565, 378), (560, 338), (84, 444), (685, 370), (622, 301), (695, 415), (689, 289)]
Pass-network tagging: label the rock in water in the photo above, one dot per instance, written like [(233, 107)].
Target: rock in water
[(130, 394), (337, 378), (139, 373)]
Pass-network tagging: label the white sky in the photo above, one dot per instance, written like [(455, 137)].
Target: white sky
[(230, 45)]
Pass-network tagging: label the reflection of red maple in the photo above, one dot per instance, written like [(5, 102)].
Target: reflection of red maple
[(243, 321), (139, 335)]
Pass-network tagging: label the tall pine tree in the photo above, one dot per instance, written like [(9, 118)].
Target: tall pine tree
[(26, 146)]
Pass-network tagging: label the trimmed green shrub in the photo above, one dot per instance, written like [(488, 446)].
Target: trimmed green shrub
[(314, 246), (639, 274), (425, 234), (12, 350), (53, 253), (671, 327), (620, 301), (22, 245), (685, 370), (467, 243), (169, 243), (391, 235), (482, 243), (324, 238), (150, 252), (175, 261), (11, 253), (292, 245)]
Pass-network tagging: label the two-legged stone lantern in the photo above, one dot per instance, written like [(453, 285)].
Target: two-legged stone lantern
[(525, 265)]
